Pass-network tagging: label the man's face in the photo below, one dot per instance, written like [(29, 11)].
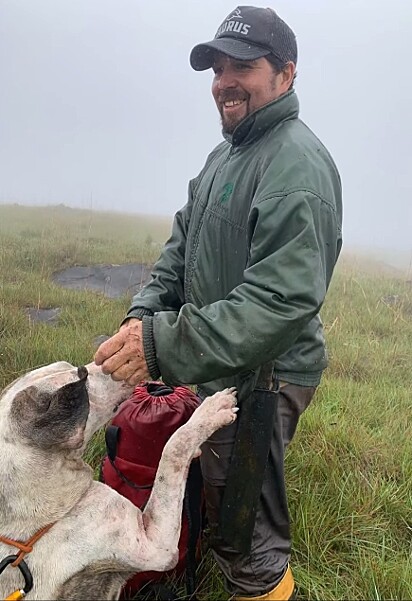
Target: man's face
[(241, 87)]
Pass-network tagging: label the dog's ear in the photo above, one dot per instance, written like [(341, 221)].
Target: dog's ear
[(32, 400), (53, 419)]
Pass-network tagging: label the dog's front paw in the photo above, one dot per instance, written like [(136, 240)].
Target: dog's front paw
[(215, 412)]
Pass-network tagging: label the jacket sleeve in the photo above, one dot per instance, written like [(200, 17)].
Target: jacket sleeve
[(165, 292), (294, 243)]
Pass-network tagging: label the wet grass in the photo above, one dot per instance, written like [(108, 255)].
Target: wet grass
[(349, 468)]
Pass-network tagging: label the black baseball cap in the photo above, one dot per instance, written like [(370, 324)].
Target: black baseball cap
[(248, 33)]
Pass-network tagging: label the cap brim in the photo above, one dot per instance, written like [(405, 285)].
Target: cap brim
[(203, 55)]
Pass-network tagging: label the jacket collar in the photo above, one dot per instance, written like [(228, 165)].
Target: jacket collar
[(268, 116)]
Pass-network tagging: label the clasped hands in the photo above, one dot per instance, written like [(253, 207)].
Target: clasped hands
[(122, 356)]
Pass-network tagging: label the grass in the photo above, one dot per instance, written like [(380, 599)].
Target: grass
[(349, 468)]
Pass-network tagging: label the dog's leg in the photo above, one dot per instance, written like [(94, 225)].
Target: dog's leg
[(162, 515)]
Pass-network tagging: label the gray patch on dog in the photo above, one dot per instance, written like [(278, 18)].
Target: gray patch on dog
[(112, 280), (101, 580)]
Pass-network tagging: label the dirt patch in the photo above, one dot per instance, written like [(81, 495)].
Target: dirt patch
[(112, 280), (48, 316)]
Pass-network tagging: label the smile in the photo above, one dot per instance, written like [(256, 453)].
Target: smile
[(232, 103)]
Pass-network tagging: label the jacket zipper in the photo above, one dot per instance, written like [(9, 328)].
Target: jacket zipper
[(192, 259)]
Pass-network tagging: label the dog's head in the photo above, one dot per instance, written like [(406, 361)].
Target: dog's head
[(49, 407)]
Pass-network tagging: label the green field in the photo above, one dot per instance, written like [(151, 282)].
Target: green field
[(349, 468)]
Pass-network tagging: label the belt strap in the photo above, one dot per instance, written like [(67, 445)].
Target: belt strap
[(265, 377), (257, 407)]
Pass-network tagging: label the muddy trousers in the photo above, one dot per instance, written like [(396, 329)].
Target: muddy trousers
[(263, 569)]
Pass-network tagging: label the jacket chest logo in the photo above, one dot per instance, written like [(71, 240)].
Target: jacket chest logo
[(227, 192)]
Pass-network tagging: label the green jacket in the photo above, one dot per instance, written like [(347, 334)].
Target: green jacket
[(244, 274)]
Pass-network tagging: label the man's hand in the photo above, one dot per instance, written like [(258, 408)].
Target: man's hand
[(122, 356)]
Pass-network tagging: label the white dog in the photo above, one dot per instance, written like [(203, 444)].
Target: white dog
[(97, 538)]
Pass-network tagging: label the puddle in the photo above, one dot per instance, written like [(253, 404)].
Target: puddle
[(48, 316), (112, 280)]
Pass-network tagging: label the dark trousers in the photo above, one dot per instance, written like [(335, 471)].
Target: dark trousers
[(259, 572)]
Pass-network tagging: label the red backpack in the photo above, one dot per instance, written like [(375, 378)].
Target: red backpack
[(134, 442)]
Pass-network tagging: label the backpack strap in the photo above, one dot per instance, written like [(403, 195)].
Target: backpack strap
[(193, 511), (112, 435)]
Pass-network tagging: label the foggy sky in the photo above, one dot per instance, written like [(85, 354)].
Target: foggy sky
[(99, 107)]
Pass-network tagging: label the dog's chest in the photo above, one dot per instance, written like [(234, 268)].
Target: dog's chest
[(93, 537), (64, 569)]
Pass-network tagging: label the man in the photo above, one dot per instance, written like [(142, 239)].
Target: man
[(242, 278)]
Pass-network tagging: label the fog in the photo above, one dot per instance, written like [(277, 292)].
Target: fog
[(99, 107)]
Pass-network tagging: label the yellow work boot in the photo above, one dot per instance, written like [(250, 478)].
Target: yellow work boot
[(283, 591)]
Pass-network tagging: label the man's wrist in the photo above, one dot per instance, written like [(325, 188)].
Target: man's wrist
[(138, 313)]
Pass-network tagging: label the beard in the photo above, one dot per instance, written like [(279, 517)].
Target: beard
[(230, 119), (230, 123)]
